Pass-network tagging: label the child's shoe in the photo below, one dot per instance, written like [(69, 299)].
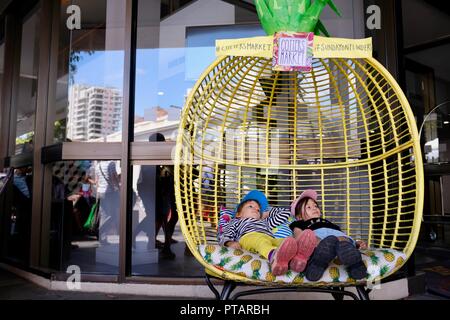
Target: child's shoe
[(324, 253), (350, 256), (283, 254), (306, 244), (358, 271), (347, 253)]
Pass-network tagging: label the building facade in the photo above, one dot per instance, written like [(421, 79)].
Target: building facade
[(92, 91), (94, 112)]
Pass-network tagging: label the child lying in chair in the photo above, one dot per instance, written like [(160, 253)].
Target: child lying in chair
[(333, 242), (250, 231)]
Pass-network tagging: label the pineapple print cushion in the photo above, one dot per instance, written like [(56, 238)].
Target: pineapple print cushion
[(379, 262)]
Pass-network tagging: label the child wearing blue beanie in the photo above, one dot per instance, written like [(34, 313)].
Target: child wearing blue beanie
[(250, 231)]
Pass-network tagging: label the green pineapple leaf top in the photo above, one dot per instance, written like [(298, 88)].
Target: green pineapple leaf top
[(293, 15)]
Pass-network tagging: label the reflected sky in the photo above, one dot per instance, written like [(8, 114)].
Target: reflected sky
[(164, 76)]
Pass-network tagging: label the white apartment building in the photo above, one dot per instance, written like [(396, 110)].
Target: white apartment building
[(94, 112)]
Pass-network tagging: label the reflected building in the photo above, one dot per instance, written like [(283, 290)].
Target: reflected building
[(94, 112), (160, 114)]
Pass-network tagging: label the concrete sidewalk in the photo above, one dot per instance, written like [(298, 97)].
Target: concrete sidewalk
[(13, 287)]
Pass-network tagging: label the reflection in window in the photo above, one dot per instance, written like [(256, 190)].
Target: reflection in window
[(428, 91), (158, 246), (16, 191), (437, 135), (27, 86), (89, 98), (173, 51), (2, 67), (175, 44), (85, 209)]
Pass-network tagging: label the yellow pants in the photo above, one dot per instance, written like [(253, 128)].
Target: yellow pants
[(259, 243)]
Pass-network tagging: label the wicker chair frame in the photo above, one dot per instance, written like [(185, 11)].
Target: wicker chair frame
[(345, 129)]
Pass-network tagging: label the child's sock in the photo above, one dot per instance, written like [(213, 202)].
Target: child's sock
[(271, 254)]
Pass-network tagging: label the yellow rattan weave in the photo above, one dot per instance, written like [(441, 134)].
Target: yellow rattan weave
[(344, 129)]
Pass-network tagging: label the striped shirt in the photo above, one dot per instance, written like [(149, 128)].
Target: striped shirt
[(283, 230), (236, 228)]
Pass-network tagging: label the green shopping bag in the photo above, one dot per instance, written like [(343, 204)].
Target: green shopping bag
[(92, 218)]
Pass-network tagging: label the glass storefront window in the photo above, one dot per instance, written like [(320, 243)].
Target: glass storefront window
[(174, 47), (437, 136), (89, 92), (27, 85), (173, 51), (428, 90), (2, 60), (158, 247), (17, 196), (85, 208)]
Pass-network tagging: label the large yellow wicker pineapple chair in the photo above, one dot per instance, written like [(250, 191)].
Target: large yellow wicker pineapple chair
[(344, 129)]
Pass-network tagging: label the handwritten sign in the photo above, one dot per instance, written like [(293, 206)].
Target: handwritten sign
[(293, 48), (250, 47), (342, 48), (293, 51)]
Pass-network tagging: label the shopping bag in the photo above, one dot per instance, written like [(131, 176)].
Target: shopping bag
[(93, 217)]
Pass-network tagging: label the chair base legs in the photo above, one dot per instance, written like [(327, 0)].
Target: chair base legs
[(338, 293)]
